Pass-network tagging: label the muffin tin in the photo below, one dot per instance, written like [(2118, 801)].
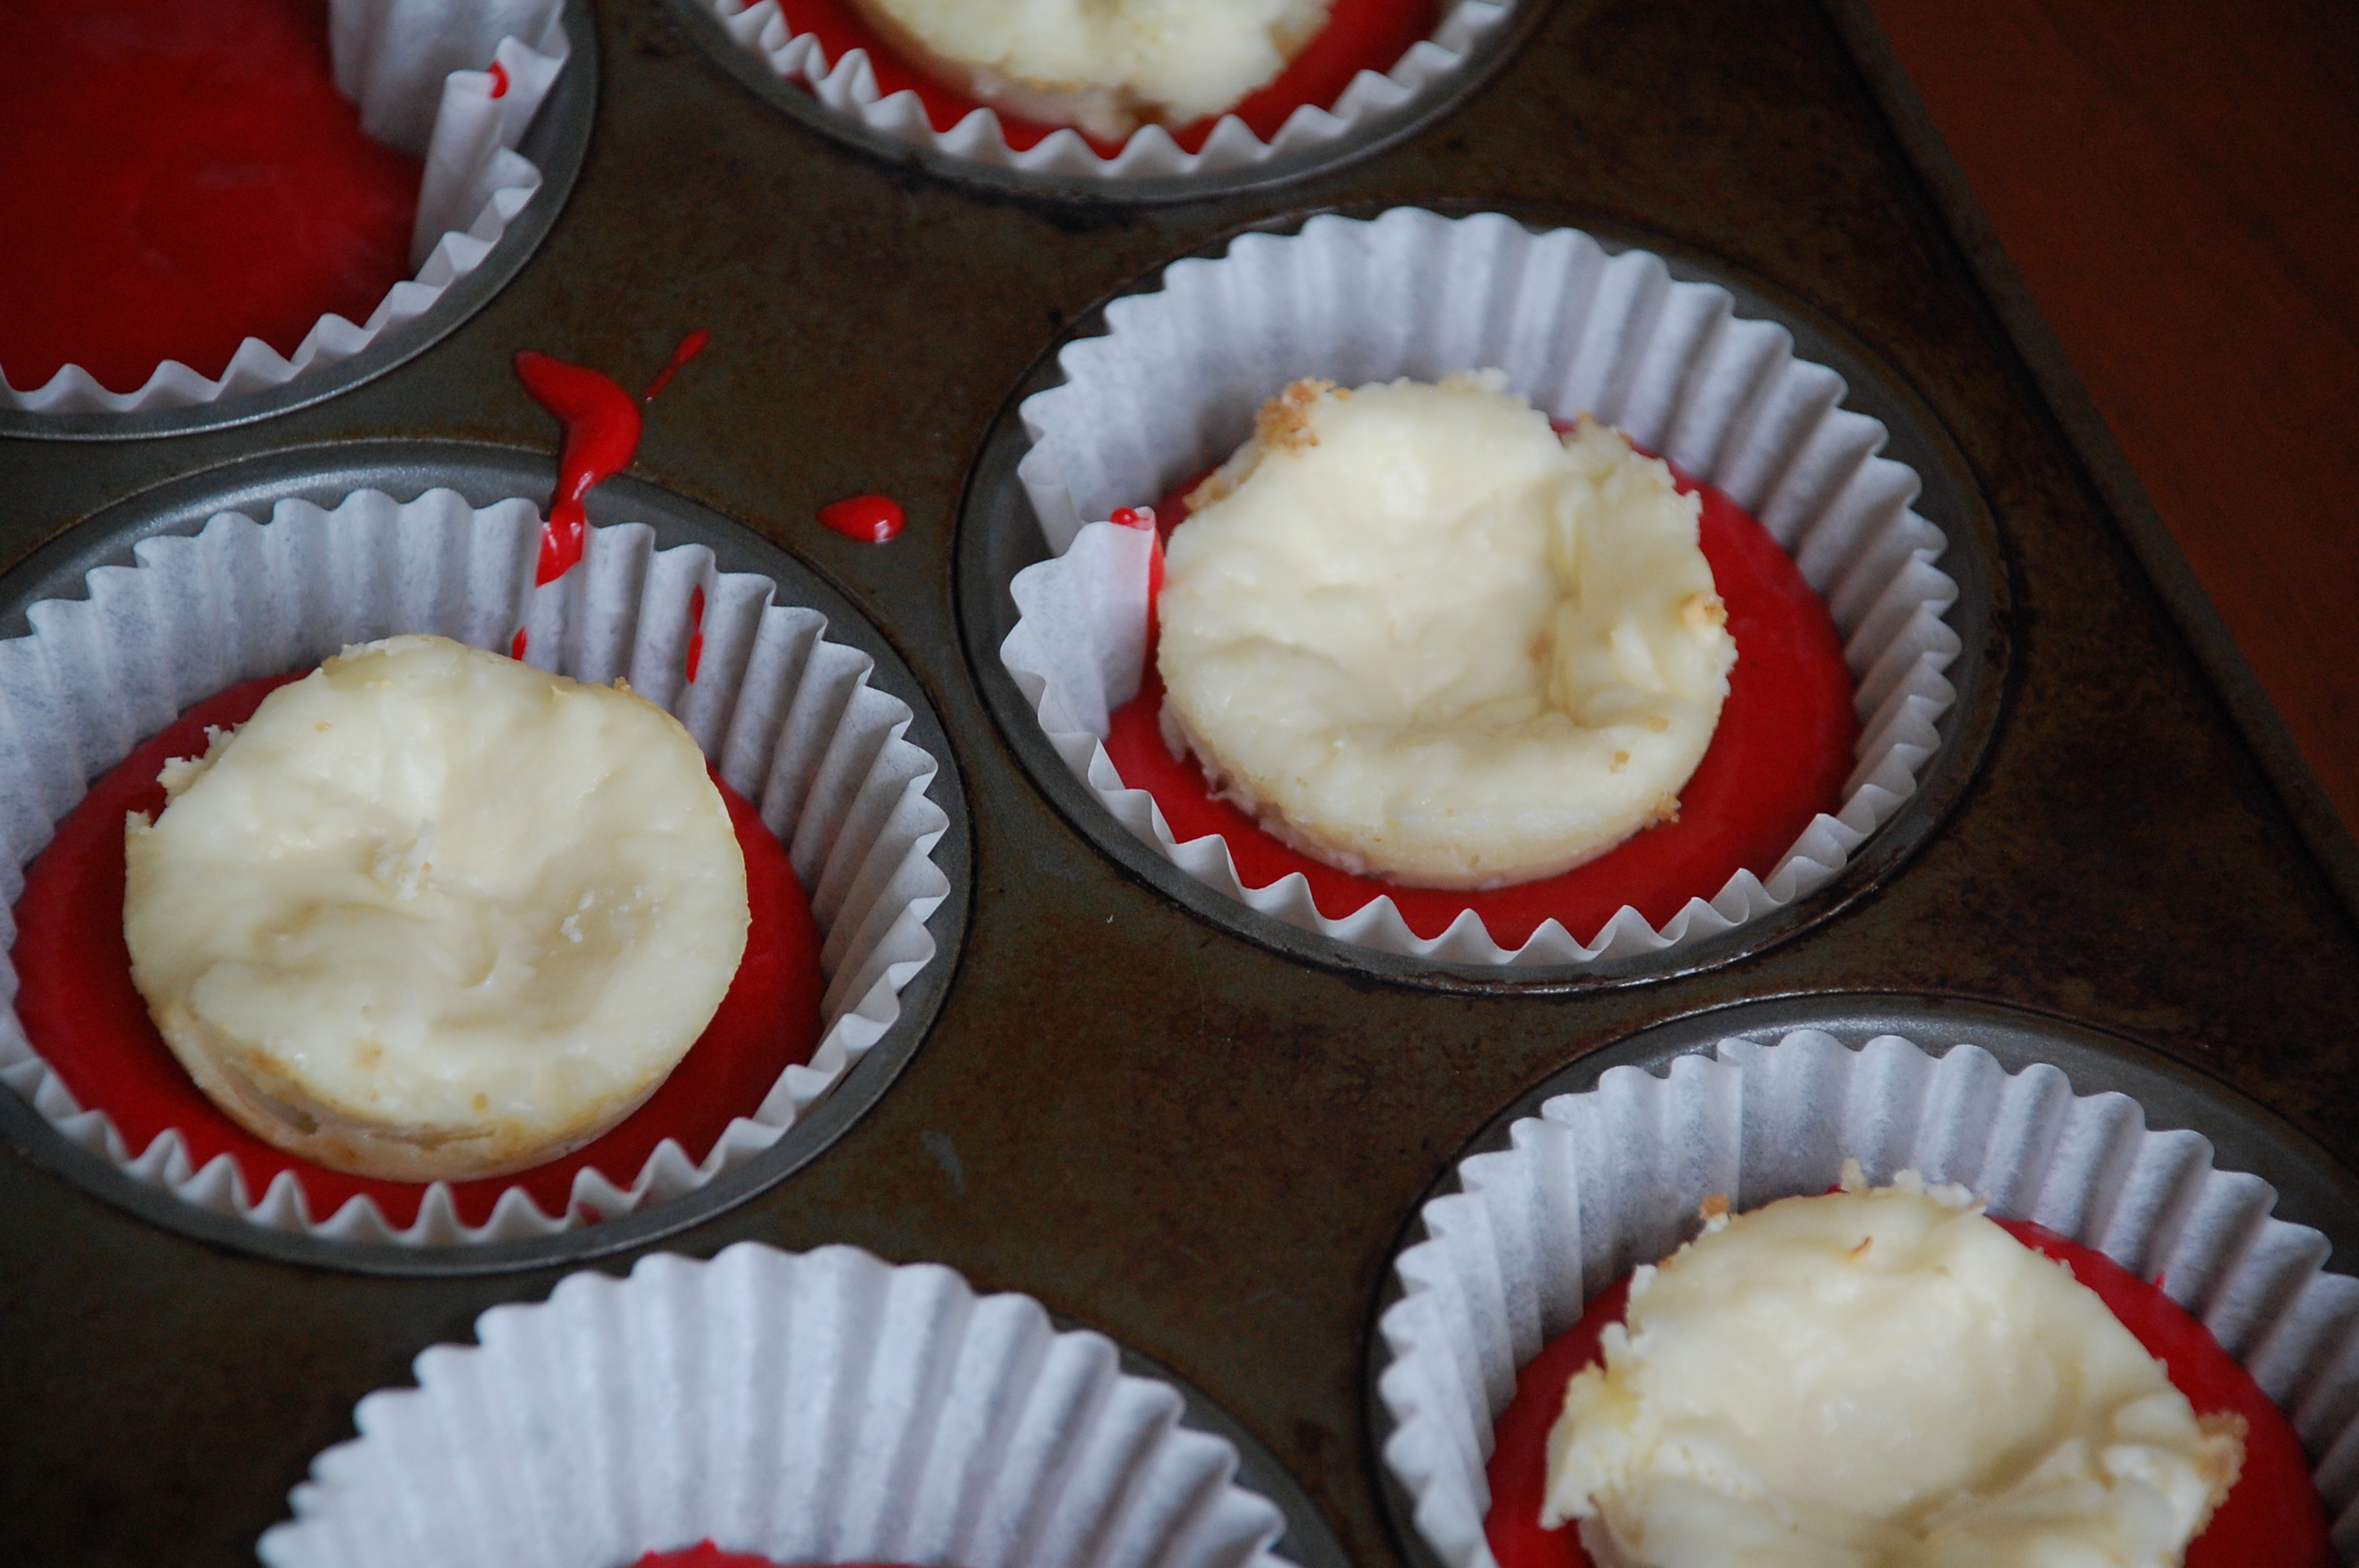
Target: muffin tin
[(1200, 1140)]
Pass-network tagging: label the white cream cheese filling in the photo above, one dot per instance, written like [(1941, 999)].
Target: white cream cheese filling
[(1420, 635), (1878, 1379), (1104, 65), (434, 914)]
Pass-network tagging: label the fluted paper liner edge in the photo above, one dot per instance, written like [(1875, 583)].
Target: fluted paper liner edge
[(813, 1408), (847, 86), (1601, 1182), (1171, 387), (419, 71), (786, 715)]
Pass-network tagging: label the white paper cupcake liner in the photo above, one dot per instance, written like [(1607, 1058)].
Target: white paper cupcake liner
[(786, 715), (848, 87), (1599, 1183), (815, 1408), (1171, 388), (419, 71)]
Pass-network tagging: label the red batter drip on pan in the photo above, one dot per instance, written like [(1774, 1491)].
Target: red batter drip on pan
[(695, 629), (1360, 34), (1779, 756), (181, 175), (690, 347), (601, 432), (871, 519), (2272, 1518), (90, 1023)]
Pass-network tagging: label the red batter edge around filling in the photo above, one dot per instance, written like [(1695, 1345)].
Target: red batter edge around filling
[(704, 1554), (183, 175), (2272, 1518), (1360, 34), (89, 1022), (1779, 757)]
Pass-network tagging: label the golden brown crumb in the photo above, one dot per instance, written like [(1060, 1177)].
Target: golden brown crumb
[(1865, 1243), (1666, 808), (1713, 1207), (1284, 421), (1658, 722), (1698, 612), (1621, 760), (323, 725), (1214, 488)]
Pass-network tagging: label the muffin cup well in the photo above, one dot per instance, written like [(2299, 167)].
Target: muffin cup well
[(813, 1407), (1602, 1181), (1171, 389), (421, 72), (787, 716), (1373, 108)]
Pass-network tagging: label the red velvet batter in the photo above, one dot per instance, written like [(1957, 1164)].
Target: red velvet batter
[(2272, 1518), (90, 1024), (182, 174), (601, 433), (871, 519), (1779, 757), (1360, 34), (704, 1554)]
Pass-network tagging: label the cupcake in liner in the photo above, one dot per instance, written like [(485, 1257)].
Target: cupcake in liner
[(1172, 387), (454, 82), (1601, 1182), (785, 715), (809, 1408), (847, 86)]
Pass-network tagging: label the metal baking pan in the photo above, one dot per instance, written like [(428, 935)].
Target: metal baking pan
[(1196, 1143), (404, 469)]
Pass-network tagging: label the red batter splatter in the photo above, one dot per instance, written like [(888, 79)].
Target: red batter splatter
[(516, 648), (1143, 517), (871, 519), (2272, 1518), (690, 347), (695, 629), (704, 1554), (90, 1024), (499, 74), (601, 431), (1360, 34), (1779, 757), (181, 175)]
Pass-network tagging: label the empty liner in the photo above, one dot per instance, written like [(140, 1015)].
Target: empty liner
[(1170, 390), (421, 72), (813, 1408), (786, 715), (1601, 1182), (847, 87)]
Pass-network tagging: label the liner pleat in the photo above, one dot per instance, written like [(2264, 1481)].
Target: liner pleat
[(814, 1408), (786, 715), (419, 69), (1171, 388), (848, 87), (1601, 1182)]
